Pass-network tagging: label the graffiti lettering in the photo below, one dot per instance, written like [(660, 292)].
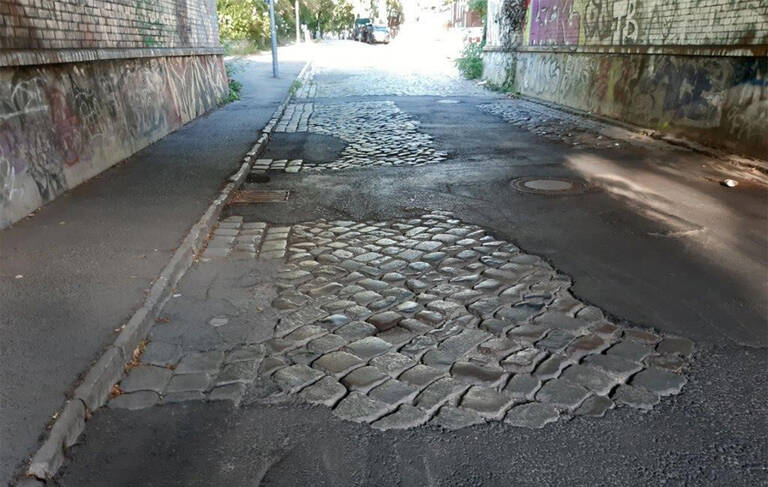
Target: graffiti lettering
[(554, 22)]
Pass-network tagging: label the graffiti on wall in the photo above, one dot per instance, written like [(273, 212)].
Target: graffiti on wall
[(505, 21), (62, 124), (554, 22), (611, 21), (651, 22), (745, 111), (723, 101)]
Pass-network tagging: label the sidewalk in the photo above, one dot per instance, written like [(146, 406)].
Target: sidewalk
[(76, 270)]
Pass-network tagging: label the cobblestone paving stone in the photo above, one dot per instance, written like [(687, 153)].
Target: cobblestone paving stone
[(237, 240), (377, 133), (575, 130), (327, 82), (420, 321), (282, 165)]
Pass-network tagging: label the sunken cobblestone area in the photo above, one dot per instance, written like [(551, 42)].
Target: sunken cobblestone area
[(574, 130), (423, 320), (377, 133)]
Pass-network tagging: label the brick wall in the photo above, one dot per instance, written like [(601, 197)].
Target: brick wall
[(693, 68), (107, 24)]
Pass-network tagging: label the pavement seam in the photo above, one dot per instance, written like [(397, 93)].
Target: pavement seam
[(94, 391)]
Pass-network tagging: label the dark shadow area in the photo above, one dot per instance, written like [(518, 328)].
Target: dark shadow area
[(316, 148)]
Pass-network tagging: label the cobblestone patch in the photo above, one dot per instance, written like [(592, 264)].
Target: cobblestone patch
[(261, 166), (295, 118), (423, 321), (377, 133), (577, 131), (237, 240), (325, 82)]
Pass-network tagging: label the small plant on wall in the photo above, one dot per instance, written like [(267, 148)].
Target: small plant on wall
[(470, 64)]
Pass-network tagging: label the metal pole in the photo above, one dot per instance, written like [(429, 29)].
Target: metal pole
[(298, 38), (273, 33)]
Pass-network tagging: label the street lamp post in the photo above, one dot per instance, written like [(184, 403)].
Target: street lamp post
[(298, 38), (273, 33)]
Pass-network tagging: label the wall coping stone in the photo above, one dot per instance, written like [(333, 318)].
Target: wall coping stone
[(35, 57), (690, 50)]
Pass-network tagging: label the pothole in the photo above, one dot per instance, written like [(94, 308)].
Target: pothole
[(311, 147), (549, 185), (257, 177)]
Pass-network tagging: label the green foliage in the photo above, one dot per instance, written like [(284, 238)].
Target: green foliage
[(343, 16), (470, 64), (244, 20), (330, 16), (395, 14), (479, 6), (248, 20), (295, 86), (234, 86)]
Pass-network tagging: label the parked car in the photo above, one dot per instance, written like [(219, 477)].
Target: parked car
[(360, 31), (378, 33)]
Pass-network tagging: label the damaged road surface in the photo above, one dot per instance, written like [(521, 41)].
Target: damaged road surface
[(453, 287)]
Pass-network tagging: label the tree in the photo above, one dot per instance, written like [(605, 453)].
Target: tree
[(343, 16), (374, 9), (395, 14), (243, 20), (480, 7)]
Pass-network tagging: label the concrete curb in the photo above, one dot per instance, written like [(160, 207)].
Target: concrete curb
[(94, 391)]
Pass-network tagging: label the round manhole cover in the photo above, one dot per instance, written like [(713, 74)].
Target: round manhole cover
[(547, 185)]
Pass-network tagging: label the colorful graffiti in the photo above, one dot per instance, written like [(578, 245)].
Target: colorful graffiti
[(61, 124), (714, 99), (554, 22), (717, 100), (652, 22)]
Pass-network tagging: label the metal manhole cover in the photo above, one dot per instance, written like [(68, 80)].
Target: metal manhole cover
[(260, 196), (547, 185)]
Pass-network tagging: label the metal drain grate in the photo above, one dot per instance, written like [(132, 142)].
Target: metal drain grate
[(548, 185), (260, 196)]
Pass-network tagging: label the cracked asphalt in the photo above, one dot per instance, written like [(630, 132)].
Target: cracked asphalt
[(655, 247)]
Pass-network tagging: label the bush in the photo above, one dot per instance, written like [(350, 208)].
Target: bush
[(470, 64), (234, 85)]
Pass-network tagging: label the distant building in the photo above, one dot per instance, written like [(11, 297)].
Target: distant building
[(462, 16)]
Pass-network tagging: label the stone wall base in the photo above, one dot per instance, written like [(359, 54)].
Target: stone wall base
[(61, 124), (717, 101)]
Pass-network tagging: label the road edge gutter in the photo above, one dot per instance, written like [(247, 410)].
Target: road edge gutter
[(109, 369)]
